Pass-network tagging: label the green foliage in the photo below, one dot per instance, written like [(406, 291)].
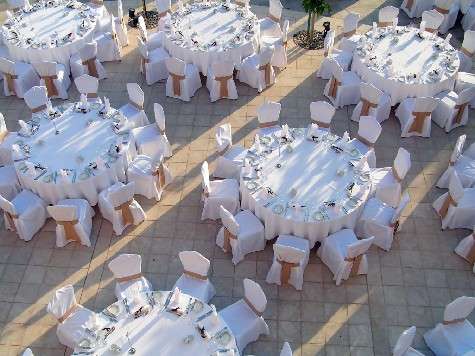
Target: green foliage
[(318, 7)]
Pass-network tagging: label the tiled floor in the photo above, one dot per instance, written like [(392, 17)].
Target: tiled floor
[(410, 285)]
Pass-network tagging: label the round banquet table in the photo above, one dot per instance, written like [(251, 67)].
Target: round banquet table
[(403, 62), (50, 31), (305, 190), (78, 162), (160, 331), (205, 32)]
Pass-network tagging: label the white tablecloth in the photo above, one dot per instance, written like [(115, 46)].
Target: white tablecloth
[(82, 139), (163, 333), (208, 23), (389, 60), (43, 26), (311, 176)]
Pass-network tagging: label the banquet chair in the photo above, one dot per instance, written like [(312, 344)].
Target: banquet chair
[(18, 77), (17, 5), (330, 53), (220, 82), (456, 208), (194, 281), (231, 157), (467, 51), (291, 256), (152, 40), (150, 176), (7, 139), (466, 248), (27, 352), (88, 85), (108, 46), (415, 8), (465, 5), (183, 79), (321, 113), (344, 254), (415, 116), (268, 117), (468, 20), (86, 62), (279, 59), (117, 204), (3, 51), (286, 350), (373, 102), (54, 77), (151, 140), (455, 335), (450, 10), (134, 109), (120, 26), (127, 271), (36, 99), (404, 342), (164, 10), (368, 133), (240, 234), (388, 16), (464, 165), (381, 221), (25, 214), (350, 38), (256, 70), (432, 20), (465, 80), (152, 63), (343, 88), (452, 109), (244, 317), (9, 184), (73, 318), (73, 221), (270, 25)]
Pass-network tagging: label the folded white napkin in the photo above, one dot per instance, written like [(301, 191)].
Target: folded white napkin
[(345, 137), (16, 152), (257, 144), (361, 163), (175, 299), (107, 104), (285, 130), (211, 322), (83, 101), (31, 168), (312, 131), (422, 26), (63, 176), (248, 172), (448, 38), (24, 128)]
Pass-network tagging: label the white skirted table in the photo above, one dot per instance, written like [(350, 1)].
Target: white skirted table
[(75, 155), (204, 32), (151, 327), (50, 31), (306, 187), (405, 62)]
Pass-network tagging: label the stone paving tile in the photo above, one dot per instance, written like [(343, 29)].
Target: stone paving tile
[(410, 285)]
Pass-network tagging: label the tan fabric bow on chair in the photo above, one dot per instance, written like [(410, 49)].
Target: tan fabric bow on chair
[(366, 107), (325, 125), (349, 33), (334, 84), (228, 236), (365, 141), (409, 4), (177, 78), (442, 11), (195, 275), (143, 62), (355, 264), (286, 270), (126, 213), (160, 176), (11, 220), (69, 230), (10, 78), (267, 71), (50, 86), (249, 304), (384, 23), (446, 205), (68, 312), (223, 85), (459, 114), (466, 52), (91, 66), (129, 278), (418, 123)]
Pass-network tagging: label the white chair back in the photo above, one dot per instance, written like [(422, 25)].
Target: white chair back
[(459, 309), (405, 199), (350, 22), (329, 42), (288, 253), (195, 262), (136, 94), (286, 350), (469, 41), (7, 206), (404, 342), (336, 70), (63, 300), (402, 162), (222, 68), (88, 51), (125, 265), (36, 97), (358, 248), (268, 112), (142, 28), (457, 152), (265, 55), (455, 187), (228, 220), (63, 212), (369, 129), (28, 352), (122, 194), (370, 93), (433, 19), (87, 84), (205, 178), (159, 116), (46, 68), (163, 5), (255, 295), (387, 14), (466, 95), (142, 48), (3, 127), (120, 11), (7, 66), (175, 66), (322, 111), (444, 4), (285, 31), (224, 137), (275, 9), (425, 104)]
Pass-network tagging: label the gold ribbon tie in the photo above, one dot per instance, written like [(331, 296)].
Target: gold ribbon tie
[(267, 71), (366, 106), (39, 108), (349, 33), (253, 308), (223, 85), (129, 278), (286, 270), (50, 86), (446, 205), (126, 213), (365, 141), (176, 79), (466, 52), (334, 84), (11, 82), (409, 4), (263, 125), (384, 23), (228, 236), (441, 10), (195, 275), (355, 264), (68, 312), (459, 114), (91, 66), (160, 176), (69, 230), (418, 122)]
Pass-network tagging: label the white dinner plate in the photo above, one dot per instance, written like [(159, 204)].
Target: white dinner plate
[(278, 209), (318, 216)]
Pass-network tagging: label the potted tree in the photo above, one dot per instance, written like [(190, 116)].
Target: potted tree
[(312, 39)]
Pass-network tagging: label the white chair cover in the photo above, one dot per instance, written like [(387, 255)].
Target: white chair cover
[(465, 5), (183, 79), (468, 21), (18, 4), (108, 46), (152, 40), (57, 75), (369, 130), (373, 103), (9, 184), (450, 9), (321, 113), (257, 71), (120, 25), (465, 80), (36, 99), (415, 8), (415, 115), (452, 109), (221, 74), (343, 58), (350, 38), (28, 352), (153, 63), (286, 350), (467, 51), (463, 164), (127, 270), (86, 62), (270, 26), (344, 87), (404, 342), (18, 77), (433, 19), (87, 85), (231, 157), (134, 109), (387, 15), (279, 59), (466, 248)]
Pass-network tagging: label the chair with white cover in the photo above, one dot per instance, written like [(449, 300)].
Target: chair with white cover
[(452, 108), (108, 46), (36, 99), (151, 140), (465, 5), (415, 116), (220, 82), (450, 10), (455, 335), (456, 208), (244, 317), (291, 255), (279, 59), (404, 342), (54, 77), (387, 16), (240, 234), (73, 221), (432, 19), (120, 26), (25, 214), (127, 271), (231, 157), (369, 130), (27, 352), (466, 248), (17, 5), (343, 88), (268, 117), (270, 25), (117, 204), (18, 77), (373, 102), (134, 109), (386, 182), (86, 62), (183, 79), (152, 40), (286, 350), (223, 192), (9, 184), (152, 63), (464, 166), (7, 139), (164, 10), (257, 71), (465, 80), (466, 51), (344, 254), (329, 52), (381, 221), (415, 8), (468, 20), (350, 38), (194, 281), (73, 318), (150, 175), (88, 85), (321, 113)]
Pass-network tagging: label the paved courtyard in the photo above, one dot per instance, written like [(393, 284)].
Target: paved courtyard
[(410, 285)]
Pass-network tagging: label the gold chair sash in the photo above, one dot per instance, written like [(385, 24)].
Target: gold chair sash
[(466, 52), (126, 213), (69, 230), (223, 85), (250, 305), (228, 236), (92, 95), (409, 4), (273, 18), (195, 275), (446, 205), (395, 226), (97, 2), (177, 78), (431, 30), (355, 264), (349, 33), (144, 61), (334, 84), (50, 86), (418, 122), (10, 78), (129, 278), (285, 272), (366, 107), (163, 14), (11, 220), (263, 125), (365, 141), (39, 108), (3, 135), (395, 174), (441, 10), (459, 114), (135, 105), (325, 125), (68, 312), (267, 72), (91, 66), (160, 176), (384, 23), (454, 321)]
